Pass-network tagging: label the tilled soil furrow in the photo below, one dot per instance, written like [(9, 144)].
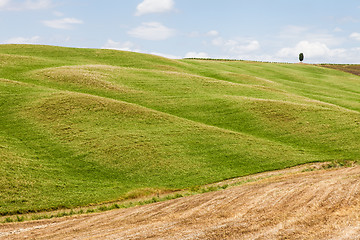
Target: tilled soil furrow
[(323, 204)]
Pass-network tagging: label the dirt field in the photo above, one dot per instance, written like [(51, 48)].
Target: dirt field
[(350, 68), (322, 204)]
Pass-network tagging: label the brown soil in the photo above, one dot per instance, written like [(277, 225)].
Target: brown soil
[(350, 68), (322, 204)]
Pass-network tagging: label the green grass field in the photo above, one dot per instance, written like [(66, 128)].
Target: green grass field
[(83, 126)]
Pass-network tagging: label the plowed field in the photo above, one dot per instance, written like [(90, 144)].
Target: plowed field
[(321, 204)]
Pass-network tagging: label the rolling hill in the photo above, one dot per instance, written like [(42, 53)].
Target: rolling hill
[(85, 126)]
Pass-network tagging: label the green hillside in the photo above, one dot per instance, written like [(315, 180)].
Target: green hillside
[(81, 126)]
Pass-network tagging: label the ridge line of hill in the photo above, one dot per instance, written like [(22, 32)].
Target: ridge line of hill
[(199, 75)]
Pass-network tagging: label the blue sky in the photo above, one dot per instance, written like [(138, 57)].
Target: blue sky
[(262, 30)]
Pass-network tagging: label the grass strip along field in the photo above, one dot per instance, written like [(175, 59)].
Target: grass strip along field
[(85, 126)]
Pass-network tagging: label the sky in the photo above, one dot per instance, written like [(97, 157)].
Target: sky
[(326, 31)]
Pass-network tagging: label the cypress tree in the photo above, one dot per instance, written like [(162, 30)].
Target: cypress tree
[(301, 57)]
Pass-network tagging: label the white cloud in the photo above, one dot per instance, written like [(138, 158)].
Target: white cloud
[(326, 38), (355, 35), (39, 4), (318, 45), (212, 33), (4, 3), (132, 47), (22, 40), (166, 55), (349, 56), (10, 5), (196, 55), (348, 19), (64, 23), (218, 41), (194, 34), (251, 46), (124, 46), (152, 31), (315, 51), (295, 33), (236, 46), (154, 6)]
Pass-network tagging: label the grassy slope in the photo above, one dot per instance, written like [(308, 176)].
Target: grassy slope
[(80, 126)]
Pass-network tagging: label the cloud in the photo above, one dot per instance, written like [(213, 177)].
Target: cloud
[(349, 56), (212, 33), (39, 4), (295, 33), (10, 5), (22, 40), (196, 34), (166, 55), (154, 6), (348, 19), (196, 55), (64, 23), (152, 31), (124, 46), (236, 46), (130, 46), (315, 51), (4, 3), (355, 35)]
